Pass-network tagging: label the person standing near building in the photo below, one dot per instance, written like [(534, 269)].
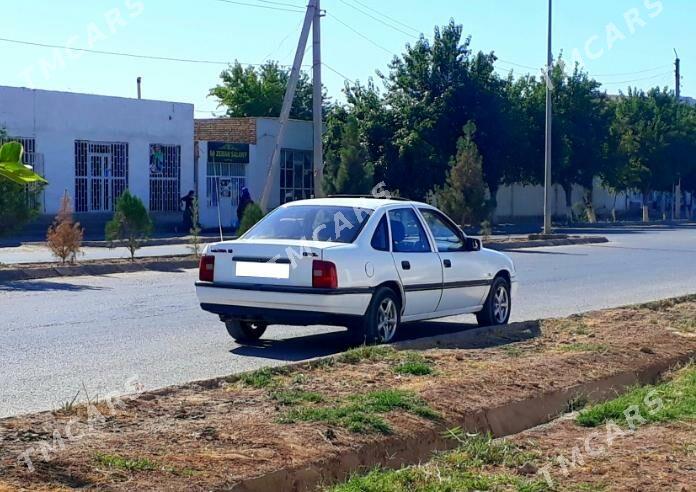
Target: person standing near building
[(188, 210), (244, 201)]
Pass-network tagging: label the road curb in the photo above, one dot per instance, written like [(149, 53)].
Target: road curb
[(97, 268), (526, 244), (504, 420)]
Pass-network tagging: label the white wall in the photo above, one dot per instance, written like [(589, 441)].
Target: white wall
[(528, 201), (57, 119)]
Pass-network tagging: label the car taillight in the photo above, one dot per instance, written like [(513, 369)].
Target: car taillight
[(206, 269), (324, 275)]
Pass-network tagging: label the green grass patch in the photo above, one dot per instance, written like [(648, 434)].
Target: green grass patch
[(686, 325), (512, 351), (363, 413), (671, 400), (366, 352), (465, 469), (290, 397), (415, 365), (584, 347), (263, 378), (121, 463)]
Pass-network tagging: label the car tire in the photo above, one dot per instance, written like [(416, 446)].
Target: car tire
[(245, 331), (382, 319), (496, 310)]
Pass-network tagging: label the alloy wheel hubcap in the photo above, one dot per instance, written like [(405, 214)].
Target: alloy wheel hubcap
[(501, 304), (386, 320)]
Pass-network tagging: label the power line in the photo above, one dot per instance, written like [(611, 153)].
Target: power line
[(376, 19), (269, 7), (129, 55), (396, 21), (638, 80), (630, 73), (339, 73), (348, 26)]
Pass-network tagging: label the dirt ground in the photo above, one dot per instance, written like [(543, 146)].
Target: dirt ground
[(655, 457), (211, 435)]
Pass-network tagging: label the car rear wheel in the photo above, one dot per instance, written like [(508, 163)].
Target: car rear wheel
[(382, 318), (496, 310), (245, 331)]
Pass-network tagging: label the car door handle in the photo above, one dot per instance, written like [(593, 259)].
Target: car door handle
[(447, 263), (405, 265)]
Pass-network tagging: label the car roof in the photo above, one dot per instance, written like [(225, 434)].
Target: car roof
[(357, 202)]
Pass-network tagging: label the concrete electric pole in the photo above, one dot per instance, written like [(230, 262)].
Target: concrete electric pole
[(676, 213), (549, 115), (274, 165), (317, 100)]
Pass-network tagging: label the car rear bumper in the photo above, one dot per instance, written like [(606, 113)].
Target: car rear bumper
[(278, 304)]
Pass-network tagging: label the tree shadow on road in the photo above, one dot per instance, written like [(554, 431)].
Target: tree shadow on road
[(44, 286), (415, 336)]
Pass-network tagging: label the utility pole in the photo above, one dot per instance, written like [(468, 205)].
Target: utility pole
[(677, 75), (549, 115), (676, 213), (274, 165), (317, 104)]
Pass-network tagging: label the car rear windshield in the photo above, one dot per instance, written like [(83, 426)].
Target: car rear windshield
[(311, 222)]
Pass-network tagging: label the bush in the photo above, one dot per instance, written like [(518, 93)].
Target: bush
[(252, 214), (15, 211), (131, 223), (64, 237)]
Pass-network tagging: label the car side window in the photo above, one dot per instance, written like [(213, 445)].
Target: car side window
[(380, 240), (408, 235), (447, 237)]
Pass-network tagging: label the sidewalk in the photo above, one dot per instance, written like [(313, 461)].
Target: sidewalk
[(35, 253)]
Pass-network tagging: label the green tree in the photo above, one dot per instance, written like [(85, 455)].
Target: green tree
[(131, 223), (463, 196), (259, 91), (347, 169), (252, 215), (645, 127)]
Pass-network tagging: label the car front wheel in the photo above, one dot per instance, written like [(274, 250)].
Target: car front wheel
[(244, 331), (496, 310)]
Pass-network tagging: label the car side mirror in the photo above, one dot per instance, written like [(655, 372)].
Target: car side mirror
[(472, 244)]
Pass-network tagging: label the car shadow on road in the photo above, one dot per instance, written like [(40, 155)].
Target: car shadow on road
[(44, 286), (415, 336)]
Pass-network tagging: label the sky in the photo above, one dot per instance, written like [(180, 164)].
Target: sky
[(619, 42)]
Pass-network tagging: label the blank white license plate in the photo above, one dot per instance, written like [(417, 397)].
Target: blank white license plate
[(262, 270)]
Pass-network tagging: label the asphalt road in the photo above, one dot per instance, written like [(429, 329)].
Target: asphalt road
[(58, 337)]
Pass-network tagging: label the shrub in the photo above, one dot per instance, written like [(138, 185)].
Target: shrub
[(64, 237), (252, 215), (131, 223)]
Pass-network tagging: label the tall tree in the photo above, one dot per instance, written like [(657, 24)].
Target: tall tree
[(645, 125), (259, 91), (463, 196), (348, 170)]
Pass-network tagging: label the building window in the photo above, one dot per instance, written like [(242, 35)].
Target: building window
[(165, 178), (101, 175), (296, 175)]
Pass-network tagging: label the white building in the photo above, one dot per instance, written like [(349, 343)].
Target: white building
[(96, 146), (233, 153)]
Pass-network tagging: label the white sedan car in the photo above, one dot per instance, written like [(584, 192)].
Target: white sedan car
[(365, 263)]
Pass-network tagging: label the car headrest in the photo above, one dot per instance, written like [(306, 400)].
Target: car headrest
[(398, 231)]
